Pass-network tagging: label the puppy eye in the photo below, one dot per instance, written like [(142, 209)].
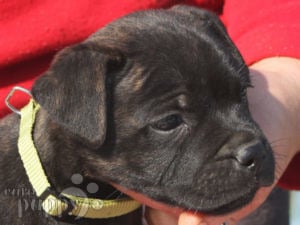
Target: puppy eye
[(168, 123)]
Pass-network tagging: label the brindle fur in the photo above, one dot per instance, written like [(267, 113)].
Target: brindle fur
[(100, 101)]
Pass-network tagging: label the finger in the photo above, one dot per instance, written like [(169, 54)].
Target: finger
[(190, 219)]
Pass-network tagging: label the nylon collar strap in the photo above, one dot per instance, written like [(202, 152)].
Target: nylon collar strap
[(62, 204)]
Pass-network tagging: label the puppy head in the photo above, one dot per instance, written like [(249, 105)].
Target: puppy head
[(159, 100)]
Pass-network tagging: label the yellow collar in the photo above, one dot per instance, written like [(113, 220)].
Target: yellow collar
[(61, 204)]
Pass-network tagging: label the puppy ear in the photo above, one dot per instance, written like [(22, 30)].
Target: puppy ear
[(73, 91)]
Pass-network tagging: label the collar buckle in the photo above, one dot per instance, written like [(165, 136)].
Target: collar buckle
[(66, 212), (11, 93)]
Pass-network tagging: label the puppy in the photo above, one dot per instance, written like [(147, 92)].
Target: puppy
[(154, 102)]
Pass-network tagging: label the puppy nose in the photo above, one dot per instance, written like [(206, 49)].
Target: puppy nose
[(251, 156)]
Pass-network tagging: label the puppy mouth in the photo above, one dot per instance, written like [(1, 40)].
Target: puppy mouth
[(177, 206)]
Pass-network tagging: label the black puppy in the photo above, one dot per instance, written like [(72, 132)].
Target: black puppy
[(154, 102)]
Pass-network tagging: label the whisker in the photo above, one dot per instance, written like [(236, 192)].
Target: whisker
[(121, 194), (279, 155), (279, 140), (113, 193), (279, 168), (279, 146), (195, 211)]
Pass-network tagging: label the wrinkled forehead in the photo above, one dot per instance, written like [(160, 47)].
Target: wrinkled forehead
[(169, 51), (174, 60), (168, 35)]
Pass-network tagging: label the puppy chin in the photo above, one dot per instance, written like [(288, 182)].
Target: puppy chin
[(177, 214), (178, 210), (149, 202)]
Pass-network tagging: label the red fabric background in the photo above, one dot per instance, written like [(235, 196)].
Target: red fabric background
[(31, 31)]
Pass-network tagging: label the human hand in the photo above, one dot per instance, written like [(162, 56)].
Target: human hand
[(274, 103)]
